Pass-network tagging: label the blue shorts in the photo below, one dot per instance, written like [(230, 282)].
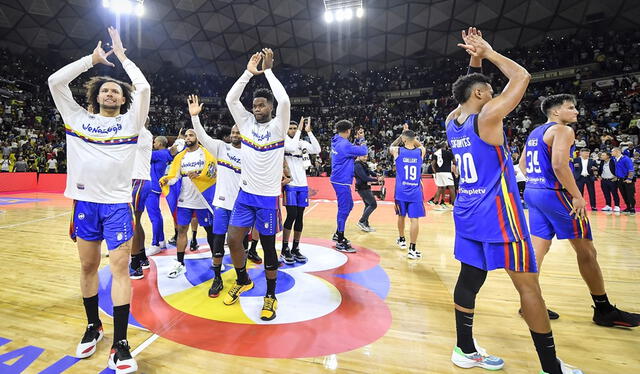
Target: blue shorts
[(261, 211), (205, 218), (221, 217), (413, 209), (296, 196), (95, 221), (141, 189), (549, 215), (515, 256)]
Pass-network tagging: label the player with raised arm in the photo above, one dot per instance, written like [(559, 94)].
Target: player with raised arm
[(491, 231), (101, 151), (262, 155)]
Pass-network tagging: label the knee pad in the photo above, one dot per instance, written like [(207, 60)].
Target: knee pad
[(217, 250), (470, 280), (270, 256), (299, 219)]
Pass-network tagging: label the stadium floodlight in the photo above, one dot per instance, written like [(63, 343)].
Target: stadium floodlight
[(348, 14), (125, 6), (359, 12), (328, 16), (139, 10), (339, 15), (105, 3)]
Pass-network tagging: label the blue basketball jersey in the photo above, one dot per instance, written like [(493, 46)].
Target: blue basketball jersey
[(538, 160), (488, 207), (408, 175)]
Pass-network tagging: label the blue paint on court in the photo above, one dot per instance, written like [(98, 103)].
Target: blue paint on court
[(375, 279), (18, 200)]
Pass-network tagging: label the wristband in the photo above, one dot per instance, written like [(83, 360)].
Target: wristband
[(474, 69)]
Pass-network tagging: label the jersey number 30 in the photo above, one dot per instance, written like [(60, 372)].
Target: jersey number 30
[(468, 173)]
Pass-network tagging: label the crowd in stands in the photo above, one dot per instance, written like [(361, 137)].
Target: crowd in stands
[(32, 133)]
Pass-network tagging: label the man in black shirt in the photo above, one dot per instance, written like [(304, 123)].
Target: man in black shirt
[(364, 176), (442, 163)]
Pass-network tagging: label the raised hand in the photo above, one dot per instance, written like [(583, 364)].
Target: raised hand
[(267, 61), (475, 45), (195, 107), (116, 44), (307, 127), (99, 56), (252, 65), (180, 134)]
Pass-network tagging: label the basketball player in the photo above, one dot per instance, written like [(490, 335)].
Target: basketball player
[(296, 192), (190, 186), (556, 206), (408, 193), (343, 155), (161, 158), (229, 168), (141, 188), (489, 218), (262, 155), (442, 164), (101, 151)]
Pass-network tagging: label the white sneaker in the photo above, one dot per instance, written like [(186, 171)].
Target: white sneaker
[(566, 369), (120, 359), (153, 250), (362, 226), (414, 254), (163, 245), (616, 209), (606, 209), (177, 270), (476, 359), (87, 345), (401, 243), (371, 229)]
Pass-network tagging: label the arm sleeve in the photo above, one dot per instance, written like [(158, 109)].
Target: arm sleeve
[(212, 145), (59, 86), (314, 149), (284, 105), (141, 97), (357, 150), (238, 112)]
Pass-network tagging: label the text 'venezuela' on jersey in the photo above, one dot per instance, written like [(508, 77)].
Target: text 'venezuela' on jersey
[(409, 174), (100, 150), (488, 207), (540, 172)]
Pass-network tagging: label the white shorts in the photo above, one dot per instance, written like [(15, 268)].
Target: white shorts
[(444, 179)]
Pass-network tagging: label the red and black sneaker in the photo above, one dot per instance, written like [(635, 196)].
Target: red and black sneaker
[(120, 358), (254, 256), (615, 317), (87, 345)]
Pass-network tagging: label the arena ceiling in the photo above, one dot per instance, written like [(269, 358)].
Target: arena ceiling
[(216, 35)]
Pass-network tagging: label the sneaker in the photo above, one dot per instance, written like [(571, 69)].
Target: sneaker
[(153, 250), (362, 226), (566, 369), (121, 360), (430, 202), (414, 255), (254, 256), (286, 256), (441, 207), (177, 270), (299, 257), (194, 245), (269, 309), (345, 247), (480, 358), (173, 241), (162, 245), (632, 212), (371, 229), (551, 313), (144, 263), (216, 287), (616, 209), (607, 208), (236, 291), (616, 317), (87, 346), (135, 273), (402, 243), (335, 239)]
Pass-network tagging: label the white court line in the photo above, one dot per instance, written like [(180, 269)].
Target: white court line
[(310, 209), (34, 220), (144, 345)]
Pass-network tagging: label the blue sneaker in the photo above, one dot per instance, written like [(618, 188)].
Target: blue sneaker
[(135, 273), (480, 358)]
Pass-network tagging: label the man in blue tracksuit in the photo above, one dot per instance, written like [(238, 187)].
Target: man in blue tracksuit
[(343, 155), (626, 180)]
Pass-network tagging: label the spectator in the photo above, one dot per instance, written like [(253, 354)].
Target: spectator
[(20, 166), (584, 169), (626, 180), (607, 176), (364, 177), (4, 165), (52, 165)]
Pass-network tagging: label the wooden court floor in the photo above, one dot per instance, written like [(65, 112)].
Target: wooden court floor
[(41, 308)]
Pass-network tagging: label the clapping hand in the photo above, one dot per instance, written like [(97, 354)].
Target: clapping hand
[(99, 56), (474, 44), (267, 59), (252, 65)]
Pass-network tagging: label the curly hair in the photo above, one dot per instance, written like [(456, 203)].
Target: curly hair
[(265, 93), (462, 87), (93, 89)]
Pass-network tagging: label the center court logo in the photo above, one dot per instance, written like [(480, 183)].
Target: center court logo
[(332, 304)]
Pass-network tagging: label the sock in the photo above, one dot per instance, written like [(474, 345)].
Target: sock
[(91, 308), (285, 244), (135, 261), (217, 269), (120, 322), (143, 254), (296, 243), (254, 245), (340, 235), (271, 287), (241, 274), (175, 234), (602, 303), (546, 352), (181, 257), (412, 246), (193, 238), (464, 327)]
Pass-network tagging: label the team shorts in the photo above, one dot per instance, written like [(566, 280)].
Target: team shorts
[(261, 211), (296, 196), (549, 215), (413, 209), (221, 218), (444, 179), (112, 223), (516, 256), (184, 215), (141, 190)]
